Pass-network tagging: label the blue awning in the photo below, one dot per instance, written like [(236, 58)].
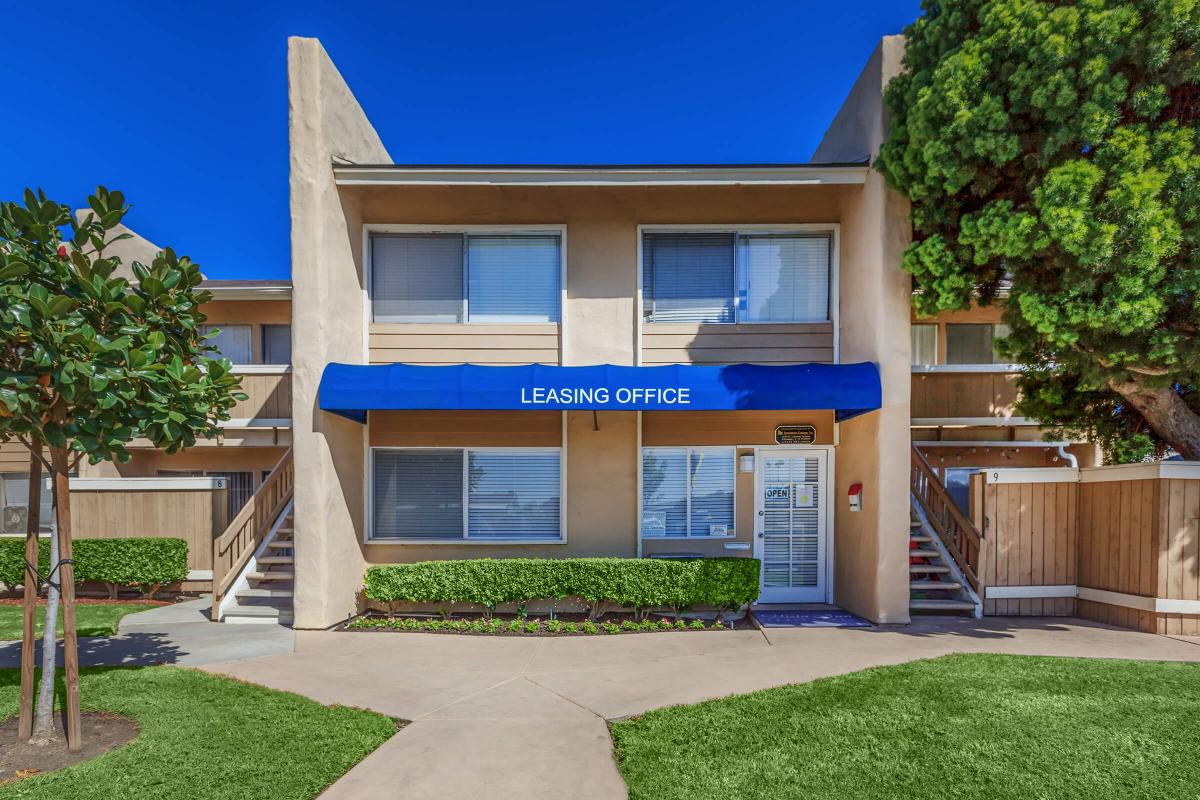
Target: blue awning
[(352, 390)]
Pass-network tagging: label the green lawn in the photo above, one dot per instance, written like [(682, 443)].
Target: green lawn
[(205, 738), (91, 619), (970, 726)]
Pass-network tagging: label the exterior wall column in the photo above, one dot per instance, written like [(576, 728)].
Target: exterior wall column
[(325, 125)]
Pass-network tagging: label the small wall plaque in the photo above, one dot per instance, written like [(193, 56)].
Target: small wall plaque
[(795, 434)]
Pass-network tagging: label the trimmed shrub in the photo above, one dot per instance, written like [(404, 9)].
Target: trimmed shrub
[(640, 584), (725, 583), (12, 560), (148, 563)]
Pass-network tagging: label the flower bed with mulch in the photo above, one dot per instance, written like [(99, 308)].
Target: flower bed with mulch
[(560, 625)]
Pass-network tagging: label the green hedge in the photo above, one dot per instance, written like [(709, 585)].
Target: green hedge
[(638, 583), (148, 562)]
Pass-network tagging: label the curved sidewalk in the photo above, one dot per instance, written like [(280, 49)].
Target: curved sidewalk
[(176, 634), (527, 718)]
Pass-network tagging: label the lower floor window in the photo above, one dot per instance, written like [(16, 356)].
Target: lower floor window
[(483, 494), (687, 491)]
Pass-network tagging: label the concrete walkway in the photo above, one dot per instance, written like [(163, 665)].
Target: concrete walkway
[(175, 634), (526, 718)]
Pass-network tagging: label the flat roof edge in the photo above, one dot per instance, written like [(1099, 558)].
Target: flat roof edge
[(599, 175)]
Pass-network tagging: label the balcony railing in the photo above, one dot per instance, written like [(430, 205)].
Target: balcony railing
[(979, 392), (269, 393)]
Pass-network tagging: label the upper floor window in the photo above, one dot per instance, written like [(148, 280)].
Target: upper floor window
[(466, 277), (973, 343), (232, 342), (726, 277), (924, 342), (277, 344)]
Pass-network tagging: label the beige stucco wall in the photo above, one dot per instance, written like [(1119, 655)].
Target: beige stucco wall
[(599, 326), (325, 124), (871, 546)]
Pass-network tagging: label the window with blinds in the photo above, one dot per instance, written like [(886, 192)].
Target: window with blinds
[(924, 343), (973, 343), (785, 278), (232, 342), (277, 344), (687, 492), (417, 277), (447, 494), (466, 277), (735, 277), (688, 277)]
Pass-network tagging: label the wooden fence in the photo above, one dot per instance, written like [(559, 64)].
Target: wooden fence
[(1114, 544), (193, 509)]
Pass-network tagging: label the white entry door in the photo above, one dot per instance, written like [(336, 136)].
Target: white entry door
[(790, 525)]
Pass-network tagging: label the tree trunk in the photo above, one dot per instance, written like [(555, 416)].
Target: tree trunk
[(44, 731), (1167, 413), (28, 645), (66, 578)]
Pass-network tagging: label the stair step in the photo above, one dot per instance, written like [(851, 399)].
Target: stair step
[(920, 538), (287, 544), (286, 529), (924, 553), (270, 576), (274, 591), (276, 560), (913, 568), (258, 614), (938, 586), (941, 605)]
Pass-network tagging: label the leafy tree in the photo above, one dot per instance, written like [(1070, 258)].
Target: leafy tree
[(1053, 144), (91, 362)]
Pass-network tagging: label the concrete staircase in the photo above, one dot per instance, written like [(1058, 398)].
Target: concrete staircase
[(934, 586), (266, 594)]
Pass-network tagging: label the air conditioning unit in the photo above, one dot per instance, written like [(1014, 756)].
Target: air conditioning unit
[(16, 519)]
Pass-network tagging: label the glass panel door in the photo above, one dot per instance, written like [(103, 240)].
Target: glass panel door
[(790, 538)]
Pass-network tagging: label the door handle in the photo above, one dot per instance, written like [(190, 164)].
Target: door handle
[(761, 535), (760, 513)]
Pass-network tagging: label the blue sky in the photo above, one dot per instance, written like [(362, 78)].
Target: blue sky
[(183, 106)]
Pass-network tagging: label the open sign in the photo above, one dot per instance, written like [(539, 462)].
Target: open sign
[(777, 492)]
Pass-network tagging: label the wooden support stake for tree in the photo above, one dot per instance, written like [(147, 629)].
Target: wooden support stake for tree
[(28, 645), (66, 578)]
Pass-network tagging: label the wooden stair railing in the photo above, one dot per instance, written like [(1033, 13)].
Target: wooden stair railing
[(962, 539), (234, 547)]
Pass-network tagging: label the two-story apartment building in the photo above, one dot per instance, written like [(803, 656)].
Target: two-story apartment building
[(252, 322), (587, 360)]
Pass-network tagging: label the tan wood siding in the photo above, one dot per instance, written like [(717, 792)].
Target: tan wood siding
[(268, 396), (963, 394), (678, 343), (422, 343), (1029, 535), (1117, 524), (698, 428), (466, 428)]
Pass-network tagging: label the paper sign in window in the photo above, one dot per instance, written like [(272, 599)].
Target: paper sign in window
[(805, 496)]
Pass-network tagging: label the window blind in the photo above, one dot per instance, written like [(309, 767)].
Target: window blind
[(973, 343), (277, 344), (785, 278), (687, 491), (711, 486), (513, 278), (513, 495), (417, 277), (688, 277), (924, 343), (232, 342), (664, 491), (418, 494)]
